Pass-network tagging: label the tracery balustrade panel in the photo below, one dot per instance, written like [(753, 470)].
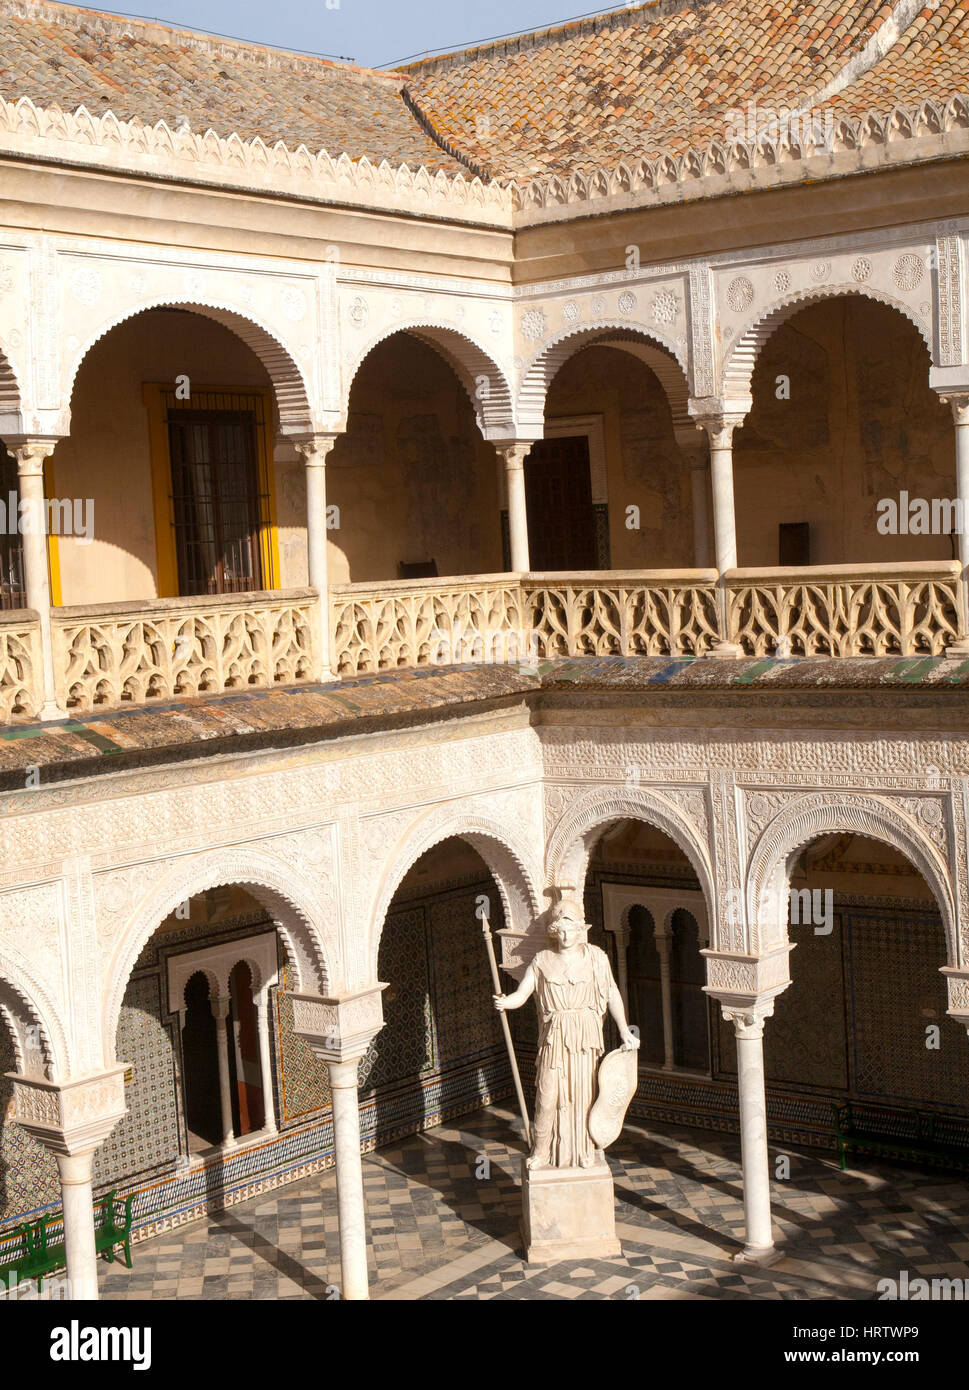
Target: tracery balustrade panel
[(21, 666), (113, 654), (848, 610), (653, 613), (425, 622)]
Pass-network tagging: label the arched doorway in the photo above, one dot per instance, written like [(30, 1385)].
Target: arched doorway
[(440, 1053), (864, 1021), (414, 481), (610, 433), (200, 1067), (180, 404), (843, 421), (646, 906)]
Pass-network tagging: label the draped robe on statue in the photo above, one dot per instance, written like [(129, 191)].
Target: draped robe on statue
[(572, 993)]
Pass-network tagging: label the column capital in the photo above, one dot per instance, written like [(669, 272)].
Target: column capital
[(73, 1117), (515, 452), (31, 453), (749, 1021), (957, 984), (958, 403), (341, 1027), (315, 448)]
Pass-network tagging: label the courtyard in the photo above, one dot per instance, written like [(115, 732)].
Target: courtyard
[(438, 1231)]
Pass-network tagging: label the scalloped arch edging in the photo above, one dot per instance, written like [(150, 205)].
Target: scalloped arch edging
[(539, 373), (741, 359), (508, 867), (577, 829), (272, 882), (296, 415), (873, 817), (495, 412)]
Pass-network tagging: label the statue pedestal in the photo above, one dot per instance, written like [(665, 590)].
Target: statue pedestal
[(568, 1213)]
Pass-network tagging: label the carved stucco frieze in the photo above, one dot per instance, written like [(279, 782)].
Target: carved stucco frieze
[(74, 1117), (339, 1028)]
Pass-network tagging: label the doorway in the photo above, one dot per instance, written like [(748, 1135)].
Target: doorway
[(558, 499)]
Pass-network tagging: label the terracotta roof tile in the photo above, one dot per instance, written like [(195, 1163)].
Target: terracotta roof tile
[(57, 55), (541, 86)]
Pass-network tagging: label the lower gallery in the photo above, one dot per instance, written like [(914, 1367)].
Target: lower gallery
[(484, 660)]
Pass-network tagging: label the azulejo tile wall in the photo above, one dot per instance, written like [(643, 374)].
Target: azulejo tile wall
[(439, 1055)]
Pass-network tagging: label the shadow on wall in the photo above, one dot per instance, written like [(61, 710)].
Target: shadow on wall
[(28, 1173), (440, 1053)]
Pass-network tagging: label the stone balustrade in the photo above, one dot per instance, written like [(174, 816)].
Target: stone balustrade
[(650, 613), (114, 654), (426, 622), (111, 655), (845, 610), (21, 666)]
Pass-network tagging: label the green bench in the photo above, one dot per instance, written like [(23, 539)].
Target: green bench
[(36, 1249), (908, 1135)]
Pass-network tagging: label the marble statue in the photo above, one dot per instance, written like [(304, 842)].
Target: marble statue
[(574, 986)]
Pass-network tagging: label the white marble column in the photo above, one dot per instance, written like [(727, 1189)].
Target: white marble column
[(720, 429), (30, 455), (72, 1120), (960, 414), (344, 1082), (221, 1008), (340, 1029), (514, 456), (263, 1018), (662, 935), (749, 1028), (77, 1197), (315, 451)]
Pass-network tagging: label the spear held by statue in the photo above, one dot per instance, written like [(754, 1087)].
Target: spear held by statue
[(516, 1075)]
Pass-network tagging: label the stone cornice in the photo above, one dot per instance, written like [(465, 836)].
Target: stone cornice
[(904, 135)]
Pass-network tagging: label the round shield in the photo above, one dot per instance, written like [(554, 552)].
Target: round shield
[(618, 1075)]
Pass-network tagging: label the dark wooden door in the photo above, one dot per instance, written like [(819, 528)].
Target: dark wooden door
[(558, 495)]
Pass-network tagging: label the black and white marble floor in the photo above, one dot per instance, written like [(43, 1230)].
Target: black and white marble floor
[(443, 1210)]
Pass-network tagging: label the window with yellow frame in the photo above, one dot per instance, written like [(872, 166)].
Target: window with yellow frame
[(213, 486)]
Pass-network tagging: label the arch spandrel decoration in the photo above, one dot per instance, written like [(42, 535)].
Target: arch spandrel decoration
[(539, 373), (295, 910), (575, 834), (294, 397), (508, 863), (740, 358), (469, 360), (827, 813)]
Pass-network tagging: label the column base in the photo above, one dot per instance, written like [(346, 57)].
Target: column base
[(758, 1255), (568, 1214), (726, 651), (50, 712), (957, 650)]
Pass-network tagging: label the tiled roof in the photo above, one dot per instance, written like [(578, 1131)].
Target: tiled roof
[(660, 78), (57, 55), (931, 59)]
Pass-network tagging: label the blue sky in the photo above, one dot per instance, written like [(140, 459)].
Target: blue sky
[(373, 32)]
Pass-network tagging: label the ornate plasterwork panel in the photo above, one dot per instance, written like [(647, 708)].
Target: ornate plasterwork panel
[(505, 827), (951, 315), (280, 311), (883, 818)]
